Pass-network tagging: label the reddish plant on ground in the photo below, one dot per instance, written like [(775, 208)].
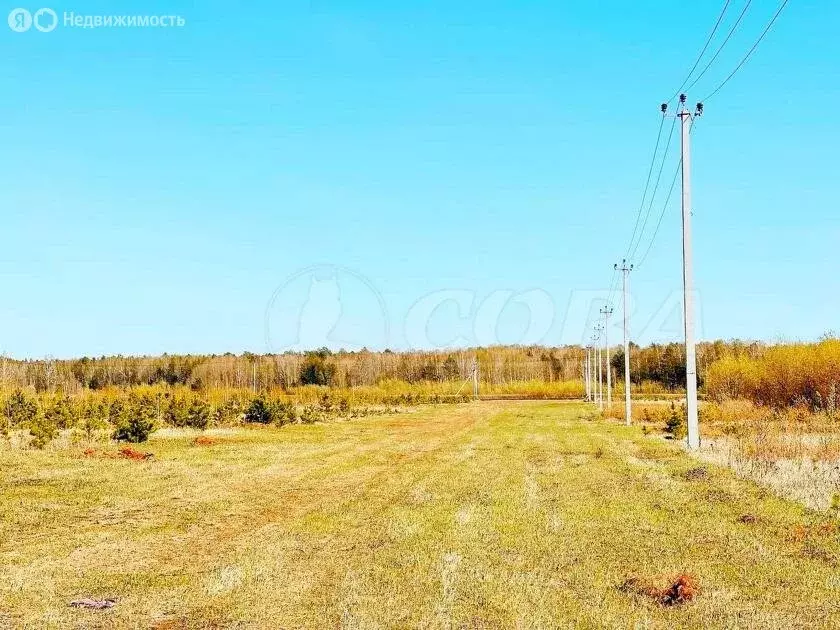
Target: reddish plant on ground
[(800, 533), (128, 452), (681, 589), (204, 440)]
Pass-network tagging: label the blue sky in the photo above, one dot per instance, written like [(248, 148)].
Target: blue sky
[(161, 185)]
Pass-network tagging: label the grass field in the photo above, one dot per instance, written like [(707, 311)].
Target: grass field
[(483, 515)]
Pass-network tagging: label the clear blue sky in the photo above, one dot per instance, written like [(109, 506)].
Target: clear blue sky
[(159, 185)]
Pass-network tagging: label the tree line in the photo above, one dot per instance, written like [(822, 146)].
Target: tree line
[(498, 365)]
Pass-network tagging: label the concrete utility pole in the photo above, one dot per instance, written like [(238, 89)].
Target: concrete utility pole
[(583, 377), (475, 378), (599, 376), (625, 270), (587, 376), (606, 312), (688, 276)]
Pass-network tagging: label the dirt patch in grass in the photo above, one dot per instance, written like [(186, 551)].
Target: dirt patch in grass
[(696, 474), (678, 590), (204, 440), (816, 552), (128, 452), (801, 533), (125, 452)]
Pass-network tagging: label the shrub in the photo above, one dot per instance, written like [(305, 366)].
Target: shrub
[(229, 411), (94, 416), (284, 412), (781, 376), (676, 423), (62, 413), (259, 411), (265, 411), (198, 415), (43, 429), (450, 369), (117, 412), (137, 420), (310, 414), (316, 370), (177, 412), (344, 406), (92, 424), (20, 409)]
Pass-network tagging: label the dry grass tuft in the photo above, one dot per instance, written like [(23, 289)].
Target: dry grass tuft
[(696, 474), (748, 519), (204, 440)]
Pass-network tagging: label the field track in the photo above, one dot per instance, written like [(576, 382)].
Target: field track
[(483, 515)]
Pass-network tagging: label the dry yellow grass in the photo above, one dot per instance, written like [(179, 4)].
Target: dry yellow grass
[(491, 514)]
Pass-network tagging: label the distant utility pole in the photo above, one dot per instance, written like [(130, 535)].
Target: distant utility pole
[(686, 119), (583, 378), (600, 381), (625, 270), (586, 366), (590, 351), (475, 378), (606, 312)]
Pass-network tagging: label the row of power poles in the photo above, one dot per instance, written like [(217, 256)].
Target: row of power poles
[(594, 391), (592, 368)]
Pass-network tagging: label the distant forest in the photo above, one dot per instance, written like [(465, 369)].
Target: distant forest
[(498, 365)]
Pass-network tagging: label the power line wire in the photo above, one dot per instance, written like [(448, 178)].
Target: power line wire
[(661, 215), (725, 41), (613, 287), (667, 199), (702, 52), (647, 182), (750, 52), (655, 189)]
